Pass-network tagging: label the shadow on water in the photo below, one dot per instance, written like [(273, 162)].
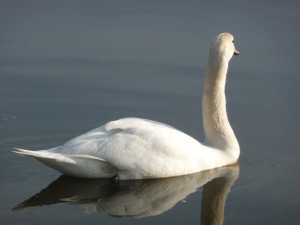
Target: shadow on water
[(140, 198)]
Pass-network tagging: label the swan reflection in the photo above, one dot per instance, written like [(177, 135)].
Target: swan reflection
[(140, 198)]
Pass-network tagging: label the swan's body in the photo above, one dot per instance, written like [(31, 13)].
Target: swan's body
[(133, 148)]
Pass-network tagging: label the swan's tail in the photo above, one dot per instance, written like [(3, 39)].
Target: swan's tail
[(74, 165), (24, 152)]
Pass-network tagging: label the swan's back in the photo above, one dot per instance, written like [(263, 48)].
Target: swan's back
[(141, 148)]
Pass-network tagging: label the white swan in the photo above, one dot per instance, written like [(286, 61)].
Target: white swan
[(133, 148)]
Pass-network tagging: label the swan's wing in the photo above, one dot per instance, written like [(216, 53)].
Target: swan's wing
[(116, 136), (144, 149), (74, 165)]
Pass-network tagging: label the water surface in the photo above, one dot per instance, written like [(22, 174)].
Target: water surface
[(69, 66)]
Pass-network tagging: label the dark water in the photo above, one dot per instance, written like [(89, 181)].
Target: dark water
[(69, 66)]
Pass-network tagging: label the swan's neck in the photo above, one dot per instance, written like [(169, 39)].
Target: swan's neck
[(218, 132)]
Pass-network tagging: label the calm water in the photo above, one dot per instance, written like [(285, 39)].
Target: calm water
[(69, 66)]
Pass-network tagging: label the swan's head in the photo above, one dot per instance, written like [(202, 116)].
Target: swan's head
[(222, 47)]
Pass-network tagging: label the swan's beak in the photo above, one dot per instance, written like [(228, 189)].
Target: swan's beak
[(236, 52)]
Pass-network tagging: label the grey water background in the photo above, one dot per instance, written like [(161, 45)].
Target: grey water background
[(69, 66)]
